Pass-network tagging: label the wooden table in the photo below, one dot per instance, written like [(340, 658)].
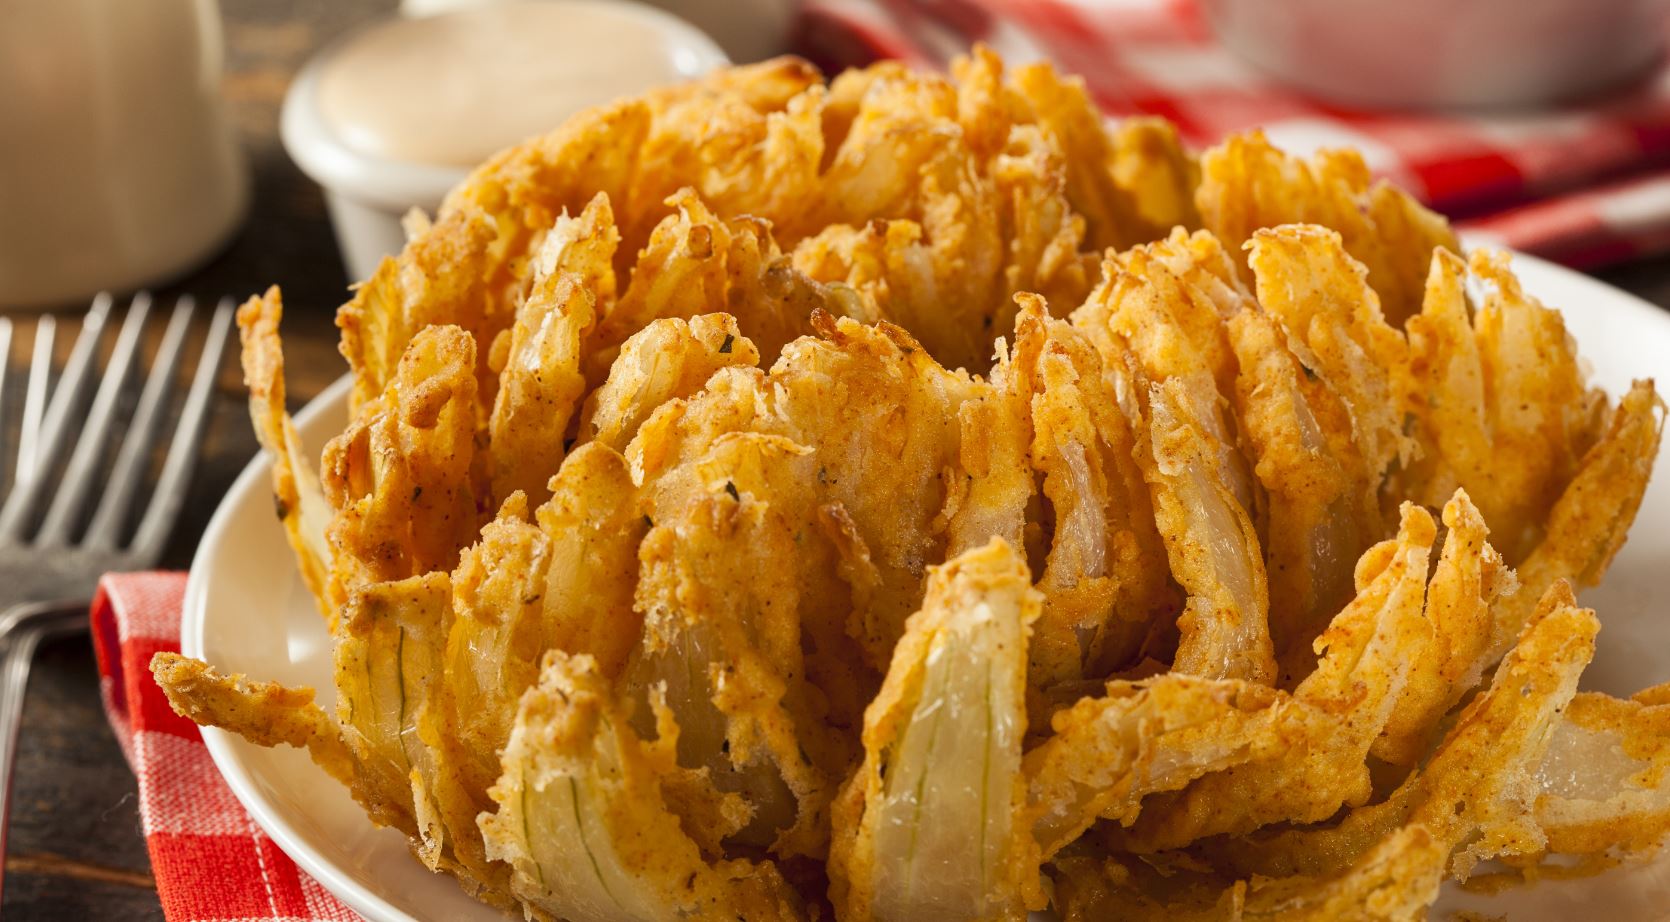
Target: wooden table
[(76, 847)]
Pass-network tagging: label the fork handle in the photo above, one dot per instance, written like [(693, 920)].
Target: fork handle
[(22, 628)]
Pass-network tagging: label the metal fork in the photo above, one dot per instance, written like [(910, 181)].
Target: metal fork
[(49, 564)]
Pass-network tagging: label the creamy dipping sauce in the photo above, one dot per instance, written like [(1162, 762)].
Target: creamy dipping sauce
[(453, 89)]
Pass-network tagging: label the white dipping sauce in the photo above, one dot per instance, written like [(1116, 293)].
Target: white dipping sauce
[(454, 88)]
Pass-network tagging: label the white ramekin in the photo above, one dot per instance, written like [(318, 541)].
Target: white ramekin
[(748, 30), (1444, 53), (368, 196)]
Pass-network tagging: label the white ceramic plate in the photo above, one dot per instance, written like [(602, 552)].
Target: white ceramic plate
[(247, 611)]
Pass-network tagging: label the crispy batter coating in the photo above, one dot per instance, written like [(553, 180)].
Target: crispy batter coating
[(1470, 802), (264, 713), (668, 359), (1395, 883), (297, 495), (718, 586), (582, 823), (880, 416), (541, 379), (1314, 760), (1164, 304), (1468, 584), (697, 263), (594, 527), (1604, 783), (1588, 523), (1308, 280), (1108, 753), (400, 478), (768, 499), (1133, 184), (1100, 595), (1211, 543), (1503, 408), (1247, 184), (992, 485), (491, 651), (437, 280), (1476, 792), (1452, 424), (1323, 503), (386, 669)]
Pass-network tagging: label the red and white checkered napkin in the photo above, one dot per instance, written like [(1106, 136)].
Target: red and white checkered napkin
[(210, 860), (1582, 185)]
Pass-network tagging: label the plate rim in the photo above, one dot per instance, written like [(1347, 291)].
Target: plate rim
[(193, 624), (282, 831)]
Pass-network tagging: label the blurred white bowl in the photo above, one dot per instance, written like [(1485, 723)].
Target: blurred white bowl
[(1445, 53), (748, 30), (368, 190)]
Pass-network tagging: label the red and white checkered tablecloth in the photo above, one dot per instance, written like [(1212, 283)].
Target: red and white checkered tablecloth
[(209, 859), (1581, 185)]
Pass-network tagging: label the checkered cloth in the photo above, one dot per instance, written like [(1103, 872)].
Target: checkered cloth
[(210, 860), (1583, 186)]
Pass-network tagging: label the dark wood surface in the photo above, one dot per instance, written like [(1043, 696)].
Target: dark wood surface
[(76, 848)]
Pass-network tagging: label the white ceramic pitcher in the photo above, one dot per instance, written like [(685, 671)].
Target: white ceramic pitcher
[(117, 166)]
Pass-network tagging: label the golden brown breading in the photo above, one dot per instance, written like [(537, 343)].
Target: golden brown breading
[(1174, 331), (881, 417), (296, 491), (1605, 779), (1314, 760), (387, 664), (1105, 754), (264, 713), (1468, 584), (697, 263), (400, 478), (1247, 184), (1101, 595), (1323, 503), (1588, 523), (992, 484), (1505, 413), (582, 823), (593, 525), (1133, 184), (1471, 802), (1167, 671), (494, 637), (1396, 882), (541, 376), (1308, 280), (1541, 414), (719, 586), (1209, 538), (1476, 792)]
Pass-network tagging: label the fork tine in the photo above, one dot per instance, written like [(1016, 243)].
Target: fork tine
[(34, 399), (66, 400), (182, 452), (105, 529), (71, 495), (5, 367)]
